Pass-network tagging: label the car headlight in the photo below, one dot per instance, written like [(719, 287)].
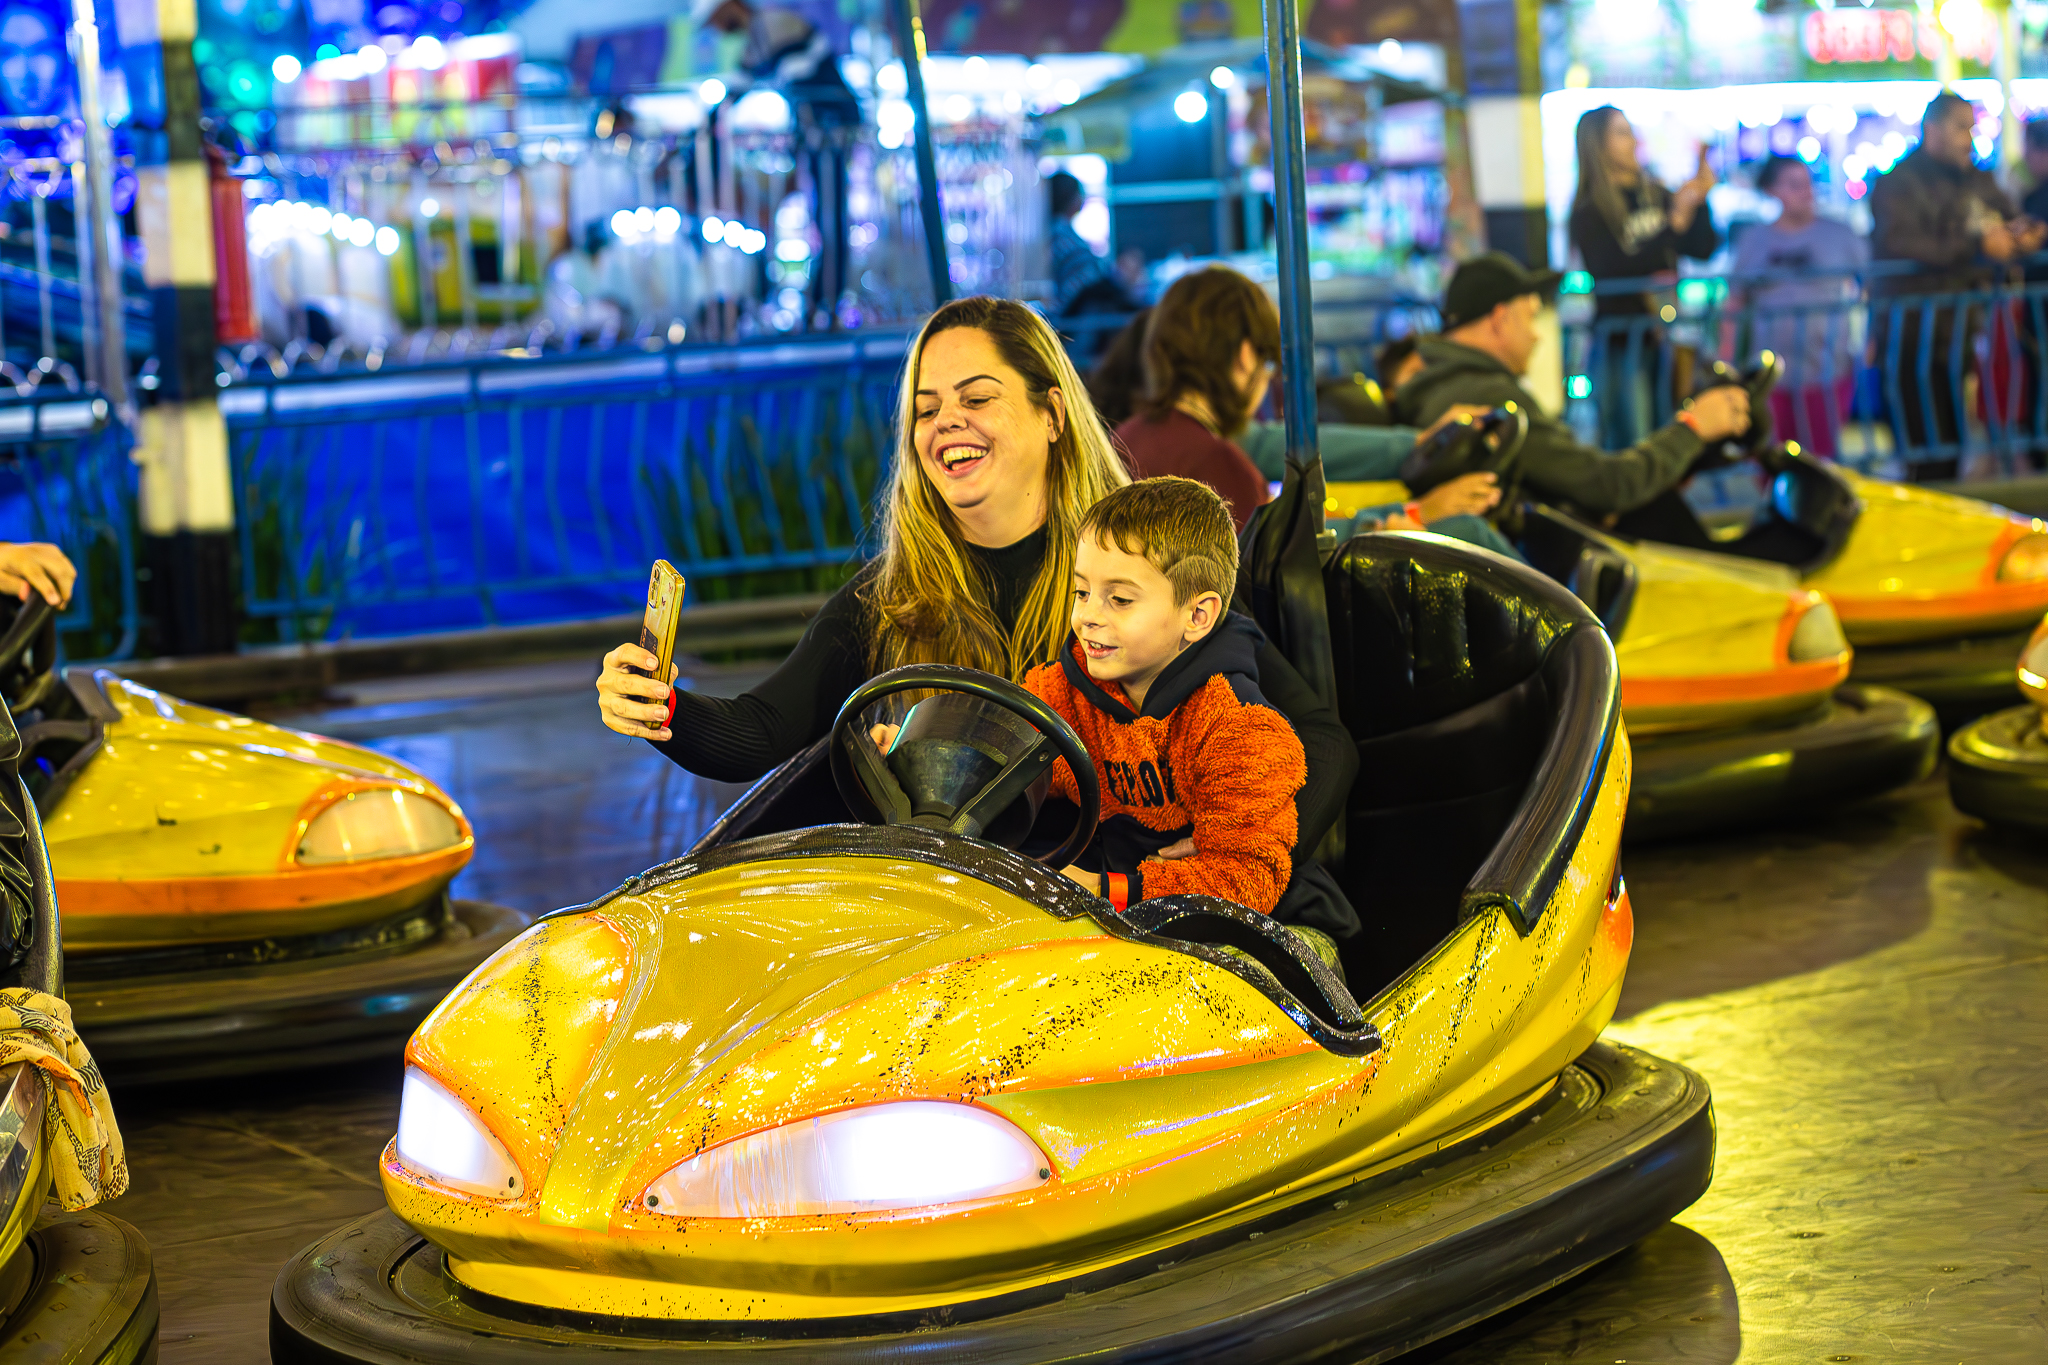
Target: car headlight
[(1818, 635), (906, 1155), (22, 1098), (2026, 561), (2034, 666), (440, 1139), (383, 822)]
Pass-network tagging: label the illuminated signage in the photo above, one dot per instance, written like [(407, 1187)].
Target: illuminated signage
[(1867, 37)]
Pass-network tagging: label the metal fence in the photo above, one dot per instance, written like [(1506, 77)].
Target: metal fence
[(498, 491), (65, 477)]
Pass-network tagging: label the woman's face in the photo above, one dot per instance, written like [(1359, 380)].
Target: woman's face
[(979, 438), (1792, 187), (1620, 141)]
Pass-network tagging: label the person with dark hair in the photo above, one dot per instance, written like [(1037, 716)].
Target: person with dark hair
[(1082, 282), (1398, 361), (1209, 352), (1795, 278), (1942, 225), (1627, 227)]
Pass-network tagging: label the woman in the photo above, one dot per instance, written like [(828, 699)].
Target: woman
[(1628, 227), (1798, 278), (1208, 356), (998, 455)]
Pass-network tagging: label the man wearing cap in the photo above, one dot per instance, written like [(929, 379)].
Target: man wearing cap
[(1490, 313)]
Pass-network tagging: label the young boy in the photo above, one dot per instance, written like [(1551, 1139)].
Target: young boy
[(1160, 683)]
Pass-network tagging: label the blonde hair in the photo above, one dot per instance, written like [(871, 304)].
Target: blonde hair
[(930, 601), (1179, 526)]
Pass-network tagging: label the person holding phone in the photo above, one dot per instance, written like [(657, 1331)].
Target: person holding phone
[(999, 456), (1627, 227)]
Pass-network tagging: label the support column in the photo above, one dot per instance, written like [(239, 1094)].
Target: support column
[(188, 510), (1501, 43)]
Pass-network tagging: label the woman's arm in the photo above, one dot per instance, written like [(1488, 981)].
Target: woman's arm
[(1351, 454), (736, 739)]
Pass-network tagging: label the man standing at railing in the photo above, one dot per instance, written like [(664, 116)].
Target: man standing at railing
[(1940, 226), (1489, 336)]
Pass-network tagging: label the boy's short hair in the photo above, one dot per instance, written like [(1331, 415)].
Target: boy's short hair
[(1182, 529)]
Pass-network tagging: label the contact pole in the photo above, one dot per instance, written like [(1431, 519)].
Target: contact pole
[(97, 225), (910, 40), (1290, 230)]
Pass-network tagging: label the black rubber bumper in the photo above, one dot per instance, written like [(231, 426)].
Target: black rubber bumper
[(1998, 769), (1364, 1274), (1962, 679), (87, 1295), (1863, 742), (282, 1015)]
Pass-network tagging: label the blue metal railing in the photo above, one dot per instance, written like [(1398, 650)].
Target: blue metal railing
[(507, 490), (65, 477)]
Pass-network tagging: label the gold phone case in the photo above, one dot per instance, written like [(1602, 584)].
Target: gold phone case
[(658, 626)]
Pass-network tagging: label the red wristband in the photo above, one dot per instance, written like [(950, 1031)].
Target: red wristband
[(1412, 511), (671, 707), (1690, 421), (1117, 887)]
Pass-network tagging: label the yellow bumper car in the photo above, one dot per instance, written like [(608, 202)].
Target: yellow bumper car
[(1998, 765), (236, 896), (74, 1287), (895, 1091)]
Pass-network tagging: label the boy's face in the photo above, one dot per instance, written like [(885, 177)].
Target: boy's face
[(1128, 623)]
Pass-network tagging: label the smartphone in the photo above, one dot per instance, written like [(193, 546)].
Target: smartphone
[(658, 626)]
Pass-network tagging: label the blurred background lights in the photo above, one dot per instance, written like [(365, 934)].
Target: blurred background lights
[(286, 68), (1190, 106), (1223, 78), (712, 92), (387, 241), (372, 58), (428, 53), (429, 207), (714, 229)]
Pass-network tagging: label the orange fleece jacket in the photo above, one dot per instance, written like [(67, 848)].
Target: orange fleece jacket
[(1221, 766)]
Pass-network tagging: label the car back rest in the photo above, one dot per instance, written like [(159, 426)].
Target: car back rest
[(1820, 502), (1483, 700), (1584, 561)]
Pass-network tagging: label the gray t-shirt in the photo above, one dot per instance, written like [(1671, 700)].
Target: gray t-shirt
[(1798, 285)]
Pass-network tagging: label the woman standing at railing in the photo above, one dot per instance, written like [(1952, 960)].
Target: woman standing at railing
[(1796, 278), (1626, 226), (998, 456)]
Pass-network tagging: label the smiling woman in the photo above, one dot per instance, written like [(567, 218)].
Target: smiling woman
[(999, 455)]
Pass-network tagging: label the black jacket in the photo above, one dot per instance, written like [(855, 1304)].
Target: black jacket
[(1556, 465), (1645, 245)]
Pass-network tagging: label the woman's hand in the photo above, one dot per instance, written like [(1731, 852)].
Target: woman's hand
[(632, 704), (1467, 495), (1688, 198), (38, 568), (883, 735)]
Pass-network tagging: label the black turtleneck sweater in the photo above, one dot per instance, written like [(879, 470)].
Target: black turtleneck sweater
[(737, 739)]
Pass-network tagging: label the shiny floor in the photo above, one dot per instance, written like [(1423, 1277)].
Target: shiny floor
[(1868, 995)]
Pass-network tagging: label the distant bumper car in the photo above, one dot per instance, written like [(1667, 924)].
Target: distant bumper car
[(74, 1287), (1732, 671), (847, 1092), (236, 896), (1998, 765)]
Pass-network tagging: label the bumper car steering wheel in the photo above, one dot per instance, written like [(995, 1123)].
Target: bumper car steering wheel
[(28, 655), (970, 760), (1755, 442)]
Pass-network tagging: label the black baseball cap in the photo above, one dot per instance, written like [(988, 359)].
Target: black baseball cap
[(1485, 282)]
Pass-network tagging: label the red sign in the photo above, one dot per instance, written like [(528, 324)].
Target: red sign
[(1860, 35)]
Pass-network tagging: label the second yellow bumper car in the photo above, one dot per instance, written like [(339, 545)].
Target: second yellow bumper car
[(1998, 765), (236, 896), (74, 1287), (900, 1093)]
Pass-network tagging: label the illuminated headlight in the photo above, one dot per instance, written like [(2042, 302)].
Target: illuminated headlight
[(2034, 666), (1817, 636), (380, 823), (440, 1139), (908, 1155), (2026, 561)]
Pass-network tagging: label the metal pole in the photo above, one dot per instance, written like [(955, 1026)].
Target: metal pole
[(910, 41), (1290, 232), (97, 217), (39, 219)]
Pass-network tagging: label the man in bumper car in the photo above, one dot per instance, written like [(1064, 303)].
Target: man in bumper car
[(1490, 312), (999, 456)]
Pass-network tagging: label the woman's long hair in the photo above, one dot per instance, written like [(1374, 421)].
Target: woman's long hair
[(930, 601), (1193, 340), (1597, 189)]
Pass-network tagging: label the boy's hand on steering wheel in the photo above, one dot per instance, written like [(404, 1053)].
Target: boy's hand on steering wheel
[(1091, 882), (32, 566), (1466, 495), (630, 703)]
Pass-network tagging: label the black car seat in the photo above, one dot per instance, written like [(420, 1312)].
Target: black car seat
[(1484, 700), (1814, 498)]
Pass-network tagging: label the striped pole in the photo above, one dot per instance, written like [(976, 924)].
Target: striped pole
[(1503, 62), (188, 513)]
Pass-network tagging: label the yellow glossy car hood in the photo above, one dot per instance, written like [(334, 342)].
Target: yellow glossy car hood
[(184, 825), (1166, 1092), (1923, 564)]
